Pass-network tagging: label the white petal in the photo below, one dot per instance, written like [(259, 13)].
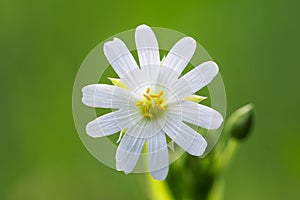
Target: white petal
[(147, 46), (146, 128), (154, 74), (111, 123), (196, 79), (128, 152), (160, 174), (167, 77), (183, 135), (158, 156), (180, 54), (105, 96), (197, 114), (136, 78), (119, 57)]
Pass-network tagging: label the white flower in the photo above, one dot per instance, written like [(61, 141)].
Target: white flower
[(152, 101)]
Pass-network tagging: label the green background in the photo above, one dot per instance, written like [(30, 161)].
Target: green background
[(42, 44)]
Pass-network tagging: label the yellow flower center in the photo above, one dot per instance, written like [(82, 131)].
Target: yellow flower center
[(152, 105)]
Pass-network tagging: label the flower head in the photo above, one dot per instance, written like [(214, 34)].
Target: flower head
[(152, 101)]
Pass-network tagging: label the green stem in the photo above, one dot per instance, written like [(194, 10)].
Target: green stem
[(229, 152), (158, 189)]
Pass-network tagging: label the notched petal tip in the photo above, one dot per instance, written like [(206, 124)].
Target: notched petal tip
[(198, 146), (180, 54), (89, 88), (121, 168), (142, 26), (111, 44), (202, 149), (213, 66), (185, 47), (84, 101), (91, 130), (117, 40), (221, 119), (217, 120), (85, 89), (87, 92), (118, 168), (145, 37), (127, 172), (208, 70), (161, 174), (107, 44), (147, 46), (190, 41)]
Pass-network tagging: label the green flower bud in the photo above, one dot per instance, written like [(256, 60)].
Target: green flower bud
[(240, 122)]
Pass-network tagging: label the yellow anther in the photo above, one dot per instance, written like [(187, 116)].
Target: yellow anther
[(147, 97), (160, 93), (152, 105), (147, 90), (139, 103), (148, 115), (153, 95), (162, 108), (146, 108)]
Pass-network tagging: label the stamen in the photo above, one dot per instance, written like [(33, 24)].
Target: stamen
[(147, 90), (152, 104), (139, 103), (148, 115), (162, 108), (160, 93), (153, 95), (146, 108), (147, 97)]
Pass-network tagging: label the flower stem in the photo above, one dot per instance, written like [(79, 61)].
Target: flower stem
[(158, 189)]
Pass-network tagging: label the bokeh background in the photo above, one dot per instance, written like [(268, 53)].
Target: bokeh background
[(42, 44)]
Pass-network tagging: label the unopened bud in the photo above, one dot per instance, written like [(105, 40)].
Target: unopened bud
[(240, 122)]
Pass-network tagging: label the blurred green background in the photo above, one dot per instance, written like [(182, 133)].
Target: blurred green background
[(42, 44)]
